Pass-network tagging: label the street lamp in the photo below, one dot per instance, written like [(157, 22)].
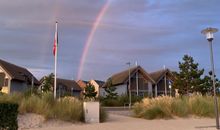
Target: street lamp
[(209, 36), (129, 87)]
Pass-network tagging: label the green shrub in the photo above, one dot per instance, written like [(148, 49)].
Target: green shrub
[(8, 116), (121, 100)]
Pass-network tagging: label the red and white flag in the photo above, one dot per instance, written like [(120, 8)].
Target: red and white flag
[(55, 42)]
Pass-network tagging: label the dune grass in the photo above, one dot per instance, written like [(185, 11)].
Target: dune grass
[(168, 107), (67, 109)]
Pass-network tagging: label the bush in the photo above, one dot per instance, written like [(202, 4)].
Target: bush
[(121, 100), (8, 116)]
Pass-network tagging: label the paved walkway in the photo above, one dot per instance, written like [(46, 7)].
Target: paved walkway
[(119, 122)]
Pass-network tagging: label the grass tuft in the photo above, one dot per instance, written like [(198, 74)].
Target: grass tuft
[(167, 107)]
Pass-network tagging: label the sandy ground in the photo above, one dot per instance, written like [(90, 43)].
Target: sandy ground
[(118, 122)]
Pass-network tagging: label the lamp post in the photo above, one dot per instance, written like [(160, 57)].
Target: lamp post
[(129, 87), (209, 36)]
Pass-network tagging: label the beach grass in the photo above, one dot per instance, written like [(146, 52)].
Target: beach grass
[(169, 107), (67, 109)]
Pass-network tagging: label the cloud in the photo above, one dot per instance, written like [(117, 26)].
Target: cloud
[(151, 31)]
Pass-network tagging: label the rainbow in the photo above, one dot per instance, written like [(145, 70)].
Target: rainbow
[(90, 38)]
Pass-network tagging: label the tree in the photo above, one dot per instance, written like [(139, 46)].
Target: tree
[(207, 86), (110, 90), (188, 79), (47, 84), (90, 92)]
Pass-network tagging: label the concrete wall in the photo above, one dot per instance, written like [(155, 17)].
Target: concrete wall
[(91, 112)]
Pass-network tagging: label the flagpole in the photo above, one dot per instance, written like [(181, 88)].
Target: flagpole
[(55, 64)]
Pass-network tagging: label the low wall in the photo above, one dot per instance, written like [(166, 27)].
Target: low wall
[(91, 112)]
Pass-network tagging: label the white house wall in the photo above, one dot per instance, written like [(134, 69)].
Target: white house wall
[(102, 92), (121, 89)]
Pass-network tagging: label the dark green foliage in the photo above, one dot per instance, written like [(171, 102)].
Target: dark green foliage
[(110, 90), (90, 92), (122, 100), (8, 116), (47, 84), (188, 79), (207, 86)]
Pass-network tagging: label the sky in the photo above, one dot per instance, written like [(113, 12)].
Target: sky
[(155, 33)]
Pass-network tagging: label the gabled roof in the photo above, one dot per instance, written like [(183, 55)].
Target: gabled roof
[(158, 75), (122, 77), (82, 83), (99, 82), (17, 72), (69, 84)]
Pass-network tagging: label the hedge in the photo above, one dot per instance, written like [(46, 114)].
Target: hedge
[(8, 116)]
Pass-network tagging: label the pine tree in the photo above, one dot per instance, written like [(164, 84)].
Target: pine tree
[(110, 90), (188, 79), (90, 92), (47, 84), (207, 87)]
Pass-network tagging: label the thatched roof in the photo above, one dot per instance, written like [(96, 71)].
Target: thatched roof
[(123, 77), (17, 72), (70, 84), (158, 75)]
